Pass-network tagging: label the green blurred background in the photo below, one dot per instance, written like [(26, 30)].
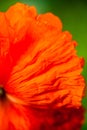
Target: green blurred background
[(73, 14)]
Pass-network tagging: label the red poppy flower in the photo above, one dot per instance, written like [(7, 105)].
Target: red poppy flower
[(40, 73)]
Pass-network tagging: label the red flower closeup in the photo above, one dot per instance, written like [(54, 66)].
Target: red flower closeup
[(41, 86)]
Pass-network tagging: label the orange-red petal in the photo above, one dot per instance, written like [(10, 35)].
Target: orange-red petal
[(40, 72)]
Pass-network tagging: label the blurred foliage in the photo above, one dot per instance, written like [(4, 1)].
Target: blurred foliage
[(73, 14)]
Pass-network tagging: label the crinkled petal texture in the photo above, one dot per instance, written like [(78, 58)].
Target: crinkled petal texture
[(39, 69)]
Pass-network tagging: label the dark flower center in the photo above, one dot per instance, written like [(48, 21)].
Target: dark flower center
[(2, 93)]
